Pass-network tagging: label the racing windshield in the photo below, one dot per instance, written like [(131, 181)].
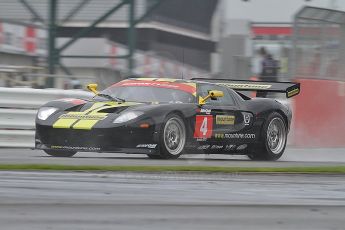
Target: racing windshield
[(152, 92)]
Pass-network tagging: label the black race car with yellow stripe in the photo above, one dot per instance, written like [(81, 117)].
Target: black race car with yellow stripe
[(165, 118)]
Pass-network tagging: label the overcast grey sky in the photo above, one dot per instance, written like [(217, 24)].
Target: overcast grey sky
[(273, 10)]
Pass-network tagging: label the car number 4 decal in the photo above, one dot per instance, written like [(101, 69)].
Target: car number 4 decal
[(203, 126)]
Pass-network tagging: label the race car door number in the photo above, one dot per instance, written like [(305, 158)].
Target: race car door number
[(203, 126)]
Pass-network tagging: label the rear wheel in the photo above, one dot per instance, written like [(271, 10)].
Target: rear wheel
[(274, 136), (58, 153), (172, 138)]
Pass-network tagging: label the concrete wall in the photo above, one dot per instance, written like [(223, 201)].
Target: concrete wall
[(235, 50), (16, 59)]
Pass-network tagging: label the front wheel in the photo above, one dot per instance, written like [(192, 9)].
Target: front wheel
[(59, 153), (172, 138), (274, 137)]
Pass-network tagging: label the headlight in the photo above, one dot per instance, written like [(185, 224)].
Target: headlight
[(45, 112), (127, 117)]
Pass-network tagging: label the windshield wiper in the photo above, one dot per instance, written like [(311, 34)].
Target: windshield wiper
[(111, 97), (120, 99)]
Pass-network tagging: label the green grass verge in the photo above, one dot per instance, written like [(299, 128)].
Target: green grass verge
[(206, 169)]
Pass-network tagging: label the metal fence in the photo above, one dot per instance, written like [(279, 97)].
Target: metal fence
[(318, 44)]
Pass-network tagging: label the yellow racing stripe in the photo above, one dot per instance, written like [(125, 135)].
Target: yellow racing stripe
[(85, 124), (64, 123), (87, 119)]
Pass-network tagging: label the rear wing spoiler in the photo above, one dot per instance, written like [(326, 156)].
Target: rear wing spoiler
[(289, 88)]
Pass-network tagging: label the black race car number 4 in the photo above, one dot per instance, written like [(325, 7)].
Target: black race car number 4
[(203, 126)]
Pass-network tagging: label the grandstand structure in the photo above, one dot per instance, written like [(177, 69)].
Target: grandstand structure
[(111, 38)]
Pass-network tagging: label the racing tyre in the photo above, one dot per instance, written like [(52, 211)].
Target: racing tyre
[(172, 137), (57, 153), (274, 136)]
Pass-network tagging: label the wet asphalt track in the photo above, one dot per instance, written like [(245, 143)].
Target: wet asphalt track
[(82, 200), (76, 200)]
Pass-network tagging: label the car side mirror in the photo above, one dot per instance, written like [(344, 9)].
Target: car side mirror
[(93, 88), (211, 94)]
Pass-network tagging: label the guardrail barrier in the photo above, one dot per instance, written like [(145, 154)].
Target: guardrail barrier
[(18, 108)]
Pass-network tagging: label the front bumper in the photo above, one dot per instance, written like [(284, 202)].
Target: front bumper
[(115, 139)]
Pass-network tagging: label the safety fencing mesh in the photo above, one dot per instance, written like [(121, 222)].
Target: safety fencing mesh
[(318, 44)]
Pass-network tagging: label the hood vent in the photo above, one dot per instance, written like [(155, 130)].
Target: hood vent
[(75, 108), (113, 109)]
